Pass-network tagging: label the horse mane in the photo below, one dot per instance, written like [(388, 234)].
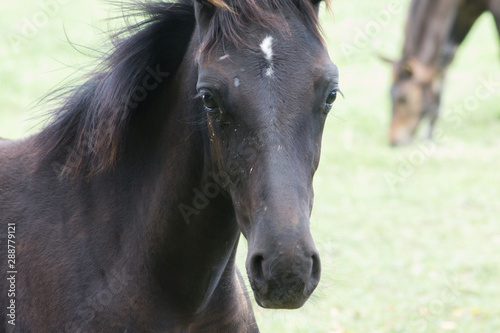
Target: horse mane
[(88, 130)]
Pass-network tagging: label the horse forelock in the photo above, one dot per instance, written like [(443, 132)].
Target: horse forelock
[(231, 17), (224, 3)]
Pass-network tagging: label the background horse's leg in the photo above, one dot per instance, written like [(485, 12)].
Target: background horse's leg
[(494, 8), (467, 15)]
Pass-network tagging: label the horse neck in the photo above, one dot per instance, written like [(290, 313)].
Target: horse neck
[(429, 33), (190, 227)]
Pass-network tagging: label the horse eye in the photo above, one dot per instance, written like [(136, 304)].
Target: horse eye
[(209, 101), (331, 98)]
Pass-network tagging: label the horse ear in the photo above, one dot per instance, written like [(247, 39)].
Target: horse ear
[(405, 70), (395, 65), (315, 4), (386, 59), (203, 10)]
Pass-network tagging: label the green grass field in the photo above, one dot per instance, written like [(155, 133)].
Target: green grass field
[(409, 238)]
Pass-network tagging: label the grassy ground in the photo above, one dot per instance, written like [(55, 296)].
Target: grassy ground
[(409, 238)]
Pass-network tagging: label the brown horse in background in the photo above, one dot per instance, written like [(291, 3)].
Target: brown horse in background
[(434, 31)]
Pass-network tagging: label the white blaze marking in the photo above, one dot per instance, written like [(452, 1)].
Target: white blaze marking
[(267, 48), (236, 82)]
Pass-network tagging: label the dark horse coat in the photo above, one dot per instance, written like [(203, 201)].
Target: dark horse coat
[(124, 213)]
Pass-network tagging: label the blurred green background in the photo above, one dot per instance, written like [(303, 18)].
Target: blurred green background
[(409, 238)]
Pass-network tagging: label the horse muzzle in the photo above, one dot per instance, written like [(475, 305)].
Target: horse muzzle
[(284, 279)]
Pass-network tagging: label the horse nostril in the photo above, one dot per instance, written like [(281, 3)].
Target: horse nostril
[(316, 267), (256, 268), (315, 275)]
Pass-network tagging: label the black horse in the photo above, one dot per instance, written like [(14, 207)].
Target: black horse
[(124, 213)]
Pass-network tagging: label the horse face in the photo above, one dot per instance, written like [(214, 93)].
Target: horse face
[(266, 105), (406, 111), (415, 95)]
